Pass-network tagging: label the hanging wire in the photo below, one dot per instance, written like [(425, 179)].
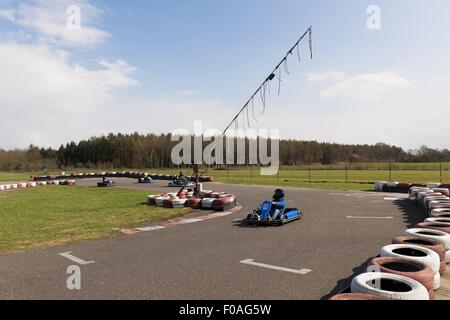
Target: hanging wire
[(253, 109), (271, 76), (279, 80), (298, 54), (286, 68), (248, 117)]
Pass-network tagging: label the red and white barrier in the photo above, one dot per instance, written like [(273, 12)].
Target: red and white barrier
[(33, 184)]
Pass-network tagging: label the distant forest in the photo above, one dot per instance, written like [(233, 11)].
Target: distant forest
[(154, 151)]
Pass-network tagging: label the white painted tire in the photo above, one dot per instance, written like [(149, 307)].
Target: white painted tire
[(360, 284), (445, 210), (447, 256), (159, 201), (2, 188), (433, 185), (23, 185), (437, 281), (414, 193), (14, 186), (445, 221), (56, 182), (427, 256), (207, 203), (430, 234), (179, 203)]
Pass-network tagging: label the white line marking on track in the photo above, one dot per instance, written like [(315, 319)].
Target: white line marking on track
[(354, 217), (392, 199), (267, 266), (68, 255)]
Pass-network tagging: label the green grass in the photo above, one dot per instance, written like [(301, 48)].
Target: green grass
[(325, 178), (15, 176), (55, 215), (322, 177)]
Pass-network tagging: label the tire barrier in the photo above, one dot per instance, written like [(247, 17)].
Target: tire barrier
[(444, 213), (403, 267), (194, 203), (355, 296), (34, 184), (442, 220), (179, 203), (399, 187), (207, 203), (391, 286), (209, 200), (159, 201), (224, 203), (167, 203), (412, 252), (434, 245), (124, 174), (151, 199), (434, 225)]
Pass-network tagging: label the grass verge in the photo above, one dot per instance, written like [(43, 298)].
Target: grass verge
[(55, 215)]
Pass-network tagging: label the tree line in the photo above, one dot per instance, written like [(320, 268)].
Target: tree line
[(154, 151)]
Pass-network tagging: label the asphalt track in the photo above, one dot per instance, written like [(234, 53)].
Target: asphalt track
[(203, 260)]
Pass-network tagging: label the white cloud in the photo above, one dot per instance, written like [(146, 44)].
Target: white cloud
[(8, 14), (187, 92), (48, 19), (326, 76), (368, 86), (44, 98)]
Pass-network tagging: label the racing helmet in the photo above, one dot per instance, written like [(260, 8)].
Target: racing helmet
[(278, 194)]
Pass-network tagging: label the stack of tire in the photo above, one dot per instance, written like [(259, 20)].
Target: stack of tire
[(34, 184), (124, 174), (411, 267), (398, 187), (209, 200)]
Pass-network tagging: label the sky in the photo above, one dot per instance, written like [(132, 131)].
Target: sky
[(159, 65)]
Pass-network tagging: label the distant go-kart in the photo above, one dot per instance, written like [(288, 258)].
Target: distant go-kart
[(107, 184), (146, 180), (263, 216), (181, 183)]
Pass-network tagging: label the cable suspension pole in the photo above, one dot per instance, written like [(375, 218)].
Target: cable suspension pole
[(275, 73)]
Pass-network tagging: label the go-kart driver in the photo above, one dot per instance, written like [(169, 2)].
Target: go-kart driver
[(279, 203), (105, 180), (181, 179)]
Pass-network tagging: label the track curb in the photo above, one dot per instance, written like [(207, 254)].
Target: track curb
[(179, 222)]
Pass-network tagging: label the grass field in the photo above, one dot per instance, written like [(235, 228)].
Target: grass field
[(336, 177), (54, 215), (326, 177)]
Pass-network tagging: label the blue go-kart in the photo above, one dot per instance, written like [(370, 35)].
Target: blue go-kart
[(263, 216), (146, 180)]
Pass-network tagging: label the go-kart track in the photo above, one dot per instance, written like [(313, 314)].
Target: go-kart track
[(221, 258)]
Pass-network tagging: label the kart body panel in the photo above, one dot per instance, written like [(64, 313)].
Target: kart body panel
[(263, 216)]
